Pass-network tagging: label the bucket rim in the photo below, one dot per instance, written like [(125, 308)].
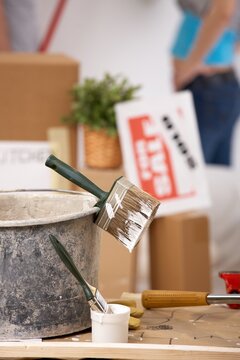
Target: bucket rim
[(44, 221)]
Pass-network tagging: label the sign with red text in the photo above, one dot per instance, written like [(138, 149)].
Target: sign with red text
[(162, 153)]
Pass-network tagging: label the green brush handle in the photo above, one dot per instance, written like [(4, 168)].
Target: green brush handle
[(68, 262), (75, 177)]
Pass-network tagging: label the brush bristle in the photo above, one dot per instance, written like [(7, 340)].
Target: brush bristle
[(133, 217), (128, 215)]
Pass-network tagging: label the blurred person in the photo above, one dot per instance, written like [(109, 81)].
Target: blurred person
[(203, 62), (18, 26)]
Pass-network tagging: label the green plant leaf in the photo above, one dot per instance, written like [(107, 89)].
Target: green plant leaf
[(93, 101)]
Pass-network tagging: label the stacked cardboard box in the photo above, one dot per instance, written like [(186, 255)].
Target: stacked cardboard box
[(34, 95), (179, 252)]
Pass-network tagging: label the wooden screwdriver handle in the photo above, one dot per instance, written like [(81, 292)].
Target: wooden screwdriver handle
[(168, 298)]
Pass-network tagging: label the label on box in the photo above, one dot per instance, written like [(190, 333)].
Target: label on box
[(162, 152), (22, 165)]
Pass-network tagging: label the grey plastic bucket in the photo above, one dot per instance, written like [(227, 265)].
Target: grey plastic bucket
[(39, 297)]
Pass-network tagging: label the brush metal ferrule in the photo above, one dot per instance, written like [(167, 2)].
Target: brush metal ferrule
[(96, 305), (113, 202)]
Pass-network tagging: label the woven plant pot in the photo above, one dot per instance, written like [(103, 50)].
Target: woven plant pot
[(102, 151)]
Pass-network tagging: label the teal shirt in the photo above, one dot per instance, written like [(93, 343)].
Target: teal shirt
[(222, 54)]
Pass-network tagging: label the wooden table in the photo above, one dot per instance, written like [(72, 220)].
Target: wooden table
[(206, 332)]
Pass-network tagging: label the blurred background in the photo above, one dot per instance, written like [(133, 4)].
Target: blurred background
[(134, 38)]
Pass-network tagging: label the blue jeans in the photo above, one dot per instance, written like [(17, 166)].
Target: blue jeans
[(217, 105)]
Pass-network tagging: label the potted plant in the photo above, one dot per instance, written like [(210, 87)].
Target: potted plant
[(93, 104)]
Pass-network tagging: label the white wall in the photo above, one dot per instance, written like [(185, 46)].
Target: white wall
[(131, 37)]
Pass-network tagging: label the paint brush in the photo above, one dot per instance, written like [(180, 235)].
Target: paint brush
[(168, 298), (125, 211), (92, 294)]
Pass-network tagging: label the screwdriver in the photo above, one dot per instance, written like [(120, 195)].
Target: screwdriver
[(169, 298)]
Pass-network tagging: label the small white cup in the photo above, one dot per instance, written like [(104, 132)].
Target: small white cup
[(111, 327)]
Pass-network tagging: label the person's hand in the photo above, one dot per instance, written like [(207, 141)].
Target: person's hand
[(184, 71)]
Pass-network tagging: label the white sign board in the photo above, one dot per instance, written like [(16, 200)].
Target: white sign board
[(162, 152), (22, 165)]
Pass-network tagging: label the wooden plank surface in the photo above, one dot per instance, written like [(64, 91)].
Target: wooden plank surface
[(117, 351), (206, 332)]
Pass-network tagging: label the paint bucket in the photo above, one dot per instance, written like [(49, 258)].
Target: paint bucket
[(39, 297), (111, 328)]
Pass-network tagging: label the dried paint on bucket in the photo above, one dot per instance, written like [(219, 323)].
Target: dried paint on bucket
[(39, 298)]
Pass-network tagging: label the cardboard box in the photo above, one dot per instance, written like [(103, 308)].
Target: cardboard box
[(117, 268), (34, 93), (179, 253)]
